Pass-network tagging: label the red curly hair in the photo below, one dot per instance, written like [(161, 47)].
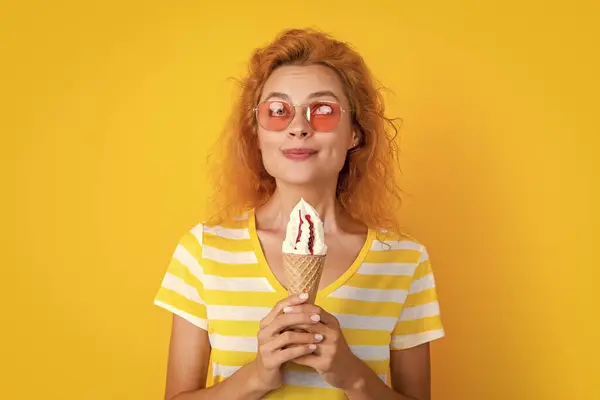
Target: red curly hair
[(367, 186)]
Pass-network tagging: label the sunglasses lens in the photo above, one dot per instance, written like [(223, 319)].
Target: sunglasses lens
[(274, 115), (324, 116)]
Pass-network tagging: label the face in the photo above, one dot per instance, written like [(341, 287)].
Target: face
[(304, 152)]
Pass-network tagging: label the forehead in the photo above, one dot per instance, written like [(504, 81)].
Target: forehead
[(299, 82)]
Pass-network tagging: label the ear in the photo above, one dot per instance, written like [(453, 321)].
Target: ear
[(355, 140)]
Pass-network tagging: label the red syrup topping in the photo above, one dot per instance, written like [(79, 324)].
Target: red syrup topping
[(311, 236)]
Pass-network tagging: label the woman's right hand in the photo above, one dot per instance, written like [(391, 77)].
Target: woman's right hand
[(277, 344)]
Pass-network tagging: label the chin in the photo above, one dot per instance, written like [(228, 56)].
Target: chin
[(300, 177), (297, 179), (301, 173)]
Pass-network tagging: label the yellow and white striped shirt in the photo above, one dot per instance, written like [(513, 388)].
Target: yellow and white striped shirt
[(219, 280)]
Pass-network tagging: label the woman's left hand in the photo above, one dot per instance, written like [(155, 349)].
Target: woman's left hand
[(332, 359)]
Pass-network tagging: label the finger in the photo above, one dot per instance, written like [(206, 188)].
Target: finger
[(329, 337), (312, 337), (328, 319), (308, 327), (291, 338), (310, 360), (303, 308), (285, 321), (314, 328), (280, 305), (294, 352)]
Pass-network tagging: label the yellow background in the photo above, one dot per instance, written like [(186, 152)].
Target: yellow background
[(107, 112)]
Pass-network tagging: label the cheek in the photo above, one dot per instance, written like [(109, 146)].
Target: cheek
[(334, 150), (269, 145), (268, 141)]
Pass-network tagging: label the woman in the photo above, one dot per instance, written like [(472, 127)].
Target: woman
[(309, 124)]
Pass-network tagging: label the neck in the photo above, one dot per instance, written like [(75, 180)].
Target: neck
[(275, 214)]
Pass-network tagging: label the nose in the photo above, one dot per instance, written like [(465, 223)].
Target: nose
[(299, 127)]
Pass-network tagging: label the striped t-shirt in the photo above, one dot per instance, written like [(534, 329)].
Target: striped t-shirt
[(218, 279)]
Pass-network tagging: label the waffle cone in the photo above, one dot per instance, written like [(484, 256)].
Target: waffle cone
[(303, 273)]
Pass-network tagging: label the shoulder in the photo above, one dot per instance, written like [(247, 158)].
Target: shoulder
[(230, 228), (233, 228), (384, 240), (227, 241), (402, 254), (191, 240)]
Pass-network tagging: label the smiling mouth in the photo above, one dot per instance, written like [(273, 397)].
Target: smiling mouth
[(299, 154)]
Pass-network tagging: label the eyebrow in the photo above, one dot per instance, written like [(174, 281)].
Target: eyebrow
[(322, 93), (277, 94)]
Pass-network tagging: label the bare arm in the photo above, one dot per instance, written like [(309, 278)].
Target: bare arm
[(410, 373), (189, 353)]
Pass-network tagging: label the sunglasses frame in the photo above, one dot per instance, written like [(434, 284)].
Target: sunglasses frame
[(306, 113)]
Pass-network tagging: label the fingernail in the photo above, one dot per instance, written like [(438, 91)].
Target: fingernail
[(287, 309), (303, 296), (315, 317), (312, 346), (318, 337)]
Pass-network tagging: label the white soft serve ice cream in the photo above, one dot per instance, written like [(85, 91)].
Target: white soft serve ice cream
[(305, 233)]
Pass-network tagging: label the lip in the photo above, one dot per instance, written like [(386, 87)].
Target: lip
[(299, 154)]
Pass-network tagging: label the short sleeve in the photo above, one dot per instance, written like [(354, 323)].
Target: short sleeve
[(182, 291), (420, 321)]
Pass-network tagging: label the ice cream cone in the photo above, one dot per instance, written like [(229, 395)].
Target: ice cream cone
[(303, 273)]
